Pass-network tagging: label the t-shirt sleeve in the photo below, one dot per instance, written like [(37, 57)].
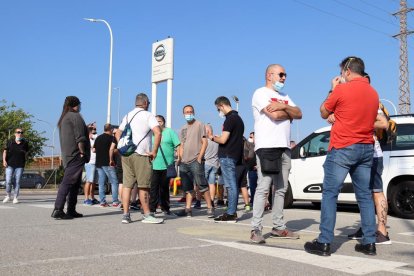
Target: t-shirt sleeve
[(330, 103), (228, 125), (78, 129), (123, 123), (202, 131), (174, 138), (152, 121), (259, 101), (290, 102)]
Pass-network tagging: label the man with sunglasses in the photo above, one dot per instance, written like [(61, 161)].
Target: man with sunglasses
[(273, 112), (14, 160), (355, 105)]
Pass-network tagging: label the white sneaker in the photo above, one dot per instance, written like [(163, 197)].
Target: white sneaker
[(15, 200), (152, 220), (6, 199)]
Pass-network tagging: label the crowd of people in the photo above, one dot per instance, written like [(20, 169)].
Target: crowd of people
[(261, 163)]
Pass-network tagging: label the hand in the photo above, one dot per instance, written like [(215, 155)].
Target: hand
[(199, 160), (112, 163), (331, 119), (275, 106), (152, 155), (336, 81), (5, 164)]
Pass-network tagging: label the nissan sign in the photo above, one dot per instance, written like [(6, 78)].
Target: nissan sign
[(159, 53), (162, 60)]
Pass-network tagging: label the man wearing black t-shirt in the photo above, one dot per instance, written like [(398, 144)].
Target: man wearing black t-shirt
[(230, 154), (104, 147), (14, 159)]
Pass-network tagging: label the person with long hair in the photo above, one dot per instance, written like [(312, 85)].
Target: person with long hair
[(75, 148)]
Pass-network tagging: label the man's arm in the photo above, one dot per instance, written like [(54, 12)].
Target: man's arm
[(111, 154), (292, 112), (157, 140), (204, 144), (222, 139), (324, 112), (4, 158)]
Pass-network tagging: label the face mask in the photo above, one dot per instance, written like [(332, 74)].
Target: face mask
[(94, 136), (250, 140), (221, 114), (189, 117), (342, 80), (278, 86), (19, 138)]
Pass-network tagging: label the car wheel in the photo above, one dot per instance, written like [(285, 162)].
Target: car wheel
[(38, 185), (288, 197), (401, 199)]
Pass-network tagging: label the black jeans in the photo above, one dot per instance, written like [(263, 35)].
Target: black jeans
[(68, 189), (160, 191)]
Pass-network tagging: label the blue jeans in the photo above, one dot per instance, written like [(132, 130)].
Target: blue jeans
[(103, 173), (228, 171), (357, 161), (9, 177)]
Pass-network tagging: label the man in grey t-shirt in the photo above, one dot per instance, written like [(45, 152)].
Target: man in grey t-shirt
[(191, 158)]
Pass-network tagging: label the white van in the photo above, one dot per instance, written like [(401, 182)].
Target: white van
[(306, 175)]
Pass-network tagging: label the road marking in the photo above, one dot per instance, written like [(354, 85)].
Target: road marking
[(343, 263), (47, 206), (407, 234), (100, 256)]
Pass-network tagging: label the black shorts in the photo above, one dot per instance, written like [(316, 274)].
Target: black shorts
[(241, 176)]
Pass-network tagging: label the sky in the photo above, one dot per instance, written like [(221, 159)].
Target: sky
[(221, 48)]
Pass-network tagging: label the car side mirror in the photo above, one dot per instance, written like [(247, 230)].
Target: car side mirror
[(302, 152)]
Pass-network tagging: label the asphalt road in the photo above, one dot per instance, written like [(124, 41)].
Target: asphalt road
[(32, 243)]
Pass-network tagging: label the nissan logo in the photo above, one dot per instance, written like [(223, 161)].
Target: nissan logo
[(159, 53)]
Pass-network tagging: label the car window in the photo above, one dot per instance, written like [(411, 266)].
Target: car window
[(405, 137), (317, 145)]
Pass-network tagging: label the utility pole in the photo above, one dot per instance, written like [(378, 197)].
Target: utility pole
[(404, 95)]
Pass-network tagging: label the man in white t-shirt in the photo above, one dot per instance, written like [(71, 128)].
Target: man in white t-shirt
[(137, 167), (273, 112)]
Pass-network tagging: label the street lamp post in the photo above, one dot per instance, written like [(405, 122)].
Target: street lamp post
[(391, 103), (236, 100), (53, 145), (119, 99), (108, 117)]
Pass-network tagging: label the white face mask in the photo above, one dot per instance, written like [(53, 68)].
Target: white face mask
[(221, 114), (250, 140), (342, 80)]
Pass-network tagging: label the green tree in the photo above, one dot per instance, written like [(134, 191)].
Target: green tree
[(11, 118)]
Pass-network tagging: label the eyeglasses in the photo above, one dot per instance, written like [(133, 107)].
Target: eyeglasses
[(19, 132), (281, 75)]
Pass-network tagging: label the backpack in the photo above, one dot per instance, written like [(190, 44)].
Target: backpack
[(386, 136), (126, 146)]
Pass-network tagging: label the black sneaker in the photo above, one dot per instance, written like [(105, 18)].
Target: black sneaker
[(382, 239), (59, 214), (317, 248), (367, 249), (197, 204), (220, 202), (134, 206), (185, 213), (357, 235), (226, 218), (74, 214), (95, 201)]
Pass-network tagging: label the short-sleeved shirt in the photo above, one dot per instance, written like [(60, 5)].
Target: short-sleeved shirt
[(233, 148), (270, 133), (355, 104), (169, 141), (191, 136), (102, 145), (16, 153), (141, 125), (211, 154)]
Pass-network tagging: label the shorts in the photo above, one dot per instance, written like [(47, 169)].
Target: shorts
[(137, 169), (211, 173), (91, 174), (193, 173), (375, 183), (241, 176)]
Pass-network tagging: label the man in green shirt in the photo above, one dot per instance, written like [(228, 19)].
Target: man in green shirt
[(160, 192)]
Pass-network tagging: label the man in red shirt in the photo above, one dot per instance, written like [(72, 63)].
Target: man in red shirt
[(355, 104)]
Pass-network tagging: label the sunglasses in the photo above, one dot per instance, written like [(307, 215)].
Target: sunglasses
[(19, 132), (281, 75)]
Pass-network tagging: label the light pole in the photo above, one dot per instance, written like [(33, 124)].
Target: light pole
[(119, 99), (391, 103), (108, 117), (236, 100), (53, 145)]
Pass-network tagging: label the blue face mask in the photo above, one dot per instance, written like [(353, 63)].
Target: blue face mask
[(19, 138), (189, 117), (278, 86)]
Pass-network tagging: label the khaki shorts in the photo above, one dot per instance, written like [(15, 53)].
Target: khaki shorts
[(136, 168)]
